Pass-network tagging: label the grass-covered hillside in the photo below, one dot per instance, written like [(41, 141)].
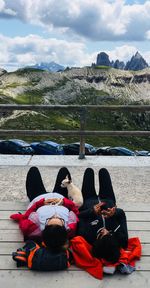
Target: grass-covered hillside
[(97, 86)]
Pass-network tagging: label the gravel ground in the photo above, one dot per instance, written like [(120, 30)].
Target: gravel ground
[(130, 183)]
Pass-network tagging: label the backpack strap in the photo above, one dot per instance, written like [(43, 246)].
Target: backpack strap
[(31, 255)]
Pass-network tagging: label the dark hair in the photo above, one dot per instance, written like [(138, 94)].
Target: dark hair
[(54, 237), (107, 248)]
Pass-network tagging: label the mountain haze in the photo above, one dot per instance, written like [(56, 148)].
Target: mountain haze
[(52, 66)]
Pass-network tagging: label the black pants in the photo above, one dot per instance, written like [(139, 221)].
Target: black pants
[(35, 186), (105, 192)]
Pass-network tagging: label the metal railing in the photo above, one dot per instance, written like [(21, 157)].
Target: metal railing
[(81, 131)]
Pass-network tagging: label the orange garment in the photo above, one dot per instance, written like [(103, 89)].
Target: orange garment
[(83, 258)]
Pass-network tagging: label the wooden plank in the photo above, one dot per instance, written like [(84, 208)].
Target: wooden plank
[(11, 236), (146, 249), (132, 207), (143, 264), (37, 107), (15, 235), (20, 206), (71, 279), (13, 205), (6, 262), (131, 216), (138, 216), (138, 226), (6, 214), (144, 236), (6, 248), (5, 132), (8, 224), (47, 279), (11, 276)]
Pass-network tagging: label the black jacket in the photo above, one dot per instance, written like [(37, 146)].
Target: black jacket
[(90, 223)]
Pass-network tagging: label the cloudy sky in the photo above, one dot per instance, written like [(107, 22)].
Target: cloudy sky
[(72, 32)]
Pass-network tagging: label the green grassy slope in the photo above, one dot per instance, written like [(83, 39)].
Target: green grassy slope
[(69, 120)]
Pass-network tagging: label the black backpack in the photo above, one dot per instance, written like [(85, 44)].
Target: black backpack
[(40, 258)]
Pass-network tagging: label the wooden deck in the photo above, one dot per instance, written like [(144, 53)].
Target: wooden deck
[(10, 239)]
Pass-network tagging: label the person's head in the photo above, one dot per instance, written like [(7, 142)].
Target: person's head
[(55, 237), (106, 247)]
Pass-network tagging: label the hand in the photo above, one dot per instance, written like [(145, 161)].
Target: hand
[(103, 231), (53, 201), (109, 212), (98, 208)]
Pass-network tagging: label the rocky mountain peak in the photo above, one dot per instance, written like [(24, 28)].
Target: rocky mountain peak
[(51, 66), (2, 71), (137, 55), (137, 62), (103, 59)]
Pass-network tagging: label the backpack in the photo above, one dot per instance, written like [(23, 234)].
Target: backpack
[(40, 258)]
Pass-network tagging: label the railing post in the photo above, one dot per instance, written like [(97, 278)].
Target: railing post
[(82, 138)]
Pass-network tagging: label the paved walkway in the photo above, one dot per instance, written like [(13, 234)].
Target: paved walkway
[(130, 175)]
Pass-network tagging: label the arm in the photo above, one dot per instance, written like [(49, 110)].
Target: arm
[(122, 232), (70, 205), (93, 211), (33, 208), (26, 225)]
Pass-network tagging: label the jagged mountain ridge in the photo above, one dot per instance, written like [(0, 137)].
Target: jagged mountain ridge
[(137, 62)]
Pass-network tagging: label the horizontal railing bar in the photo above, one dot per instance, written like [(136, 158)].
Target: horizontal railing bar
[(8, 107), (75, 132)]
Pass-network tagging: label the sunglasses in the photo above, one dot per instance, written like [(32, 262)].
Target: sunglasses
[(53, 217)]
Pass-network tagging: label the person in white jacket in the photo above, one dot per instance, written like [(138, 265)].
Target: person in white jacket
[(49, 215)]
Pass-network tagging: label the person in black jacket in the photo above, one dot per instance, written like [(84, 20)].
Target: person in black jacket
[(101, 223)]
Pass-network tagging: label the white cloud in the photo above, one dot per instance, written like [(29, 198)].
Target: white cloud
[(22, 51), (148, 35), (6, 12), (122, 53), (93, 19), (125, 52), (146, 56)]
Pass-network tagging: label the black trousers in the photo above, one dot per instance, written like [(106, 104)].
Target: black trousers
[(105, 192), (35, 186)]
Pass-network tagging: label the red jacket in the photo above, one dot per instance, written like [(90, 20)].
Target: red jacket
[(83, 258), (28, 227)]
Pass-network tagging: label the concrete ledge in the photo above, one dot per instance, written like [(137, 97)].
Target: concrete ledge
[(69, 161), (15, 160)]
